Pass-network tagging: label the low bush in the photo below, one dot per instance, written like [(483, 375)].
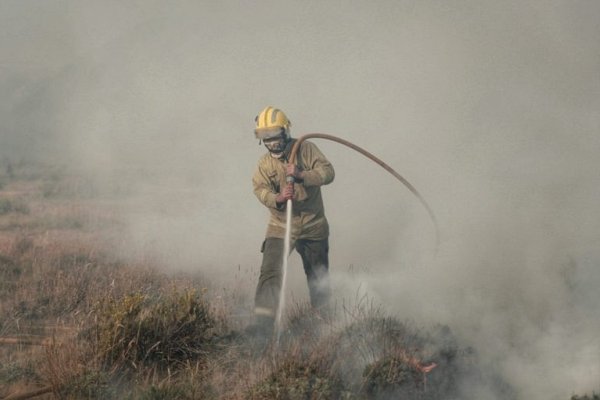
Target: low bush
[(161, 331), (392, 377), (300, 378), (9, 274), (11, 372), (11, 205)]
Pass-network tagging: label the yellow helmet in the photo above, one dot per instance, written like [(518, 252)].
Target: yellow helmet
[(272, 122)]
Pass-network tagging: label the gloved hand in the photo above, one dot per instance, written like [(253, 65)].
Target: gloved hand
[(293, 170), (286, 194)]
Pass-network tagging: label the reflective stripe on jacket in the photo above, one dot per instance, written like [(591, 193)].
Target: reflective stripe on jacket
[(308, 214)]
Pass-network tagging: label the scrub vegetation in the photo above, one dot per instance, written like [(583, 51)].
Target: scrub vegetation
[(78, 322)]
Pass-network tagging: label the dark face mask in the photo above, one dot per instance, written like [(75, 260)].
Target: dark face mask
[(275, 145)]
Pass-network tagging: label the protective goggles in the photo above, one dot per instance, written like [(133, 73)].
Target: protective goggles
[(269, 133)]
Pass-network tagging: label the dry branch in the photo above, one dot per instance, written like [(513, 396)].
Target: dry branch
[(26, 340), (28, 395)]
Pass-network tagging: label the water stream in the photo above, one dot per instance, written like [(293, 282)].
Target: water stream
[(286, 254)]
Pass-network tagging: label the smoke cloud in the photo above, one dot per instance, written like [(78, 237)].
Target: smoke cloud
[(490, 109)]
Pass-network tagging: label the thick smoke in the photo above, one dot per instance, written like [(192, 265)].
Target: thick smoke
[(490, 110)]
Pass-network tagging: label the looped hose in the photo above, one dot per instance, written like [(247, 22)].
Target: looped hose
[(292, 160), (370, 156)]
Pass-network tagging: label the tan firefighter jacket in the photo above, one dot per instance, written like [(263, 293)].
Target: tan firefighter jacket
[(308, 214)]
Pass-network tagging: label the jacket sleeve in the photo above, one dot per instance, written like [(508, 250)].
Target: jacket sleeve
[(317, 169), (263, 188)]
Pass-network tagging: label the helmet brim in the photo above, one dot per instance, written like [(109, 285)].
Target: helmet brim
[(267, 133)]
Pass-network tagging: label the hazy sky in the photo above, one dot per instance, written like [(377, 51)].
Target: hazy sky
[(491, 109)]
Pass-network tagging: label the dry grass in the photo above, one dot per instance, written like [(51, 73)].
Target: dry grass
[(124, 330)]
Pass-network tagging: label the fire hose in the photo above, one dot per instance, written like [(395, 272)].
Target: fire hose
[(290, 181)]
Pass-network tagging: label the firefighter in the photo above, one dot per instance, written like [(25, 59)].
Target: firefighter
[(310, 230)]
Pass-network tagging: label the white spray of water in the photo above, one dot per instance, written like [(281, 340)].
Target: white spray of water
[(286, 254)]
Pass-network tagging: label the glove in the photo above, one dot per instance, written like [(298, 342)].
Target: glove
[(286, 194), (293, 170)]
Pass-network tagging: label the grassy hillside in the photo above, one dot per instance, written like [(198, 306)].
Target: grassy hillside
[(78, 322)]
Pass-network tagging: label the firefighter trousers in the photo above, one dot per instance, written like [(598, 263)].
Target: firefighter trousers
[(315, 259)]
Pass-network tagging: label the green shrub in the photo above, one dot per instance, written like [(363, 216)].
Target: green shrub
[(161, 331), (9, 274), (89, 385), (300, 379), (162, 393), (8, 206), (381, 357), (392, 376), (12, 372)]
